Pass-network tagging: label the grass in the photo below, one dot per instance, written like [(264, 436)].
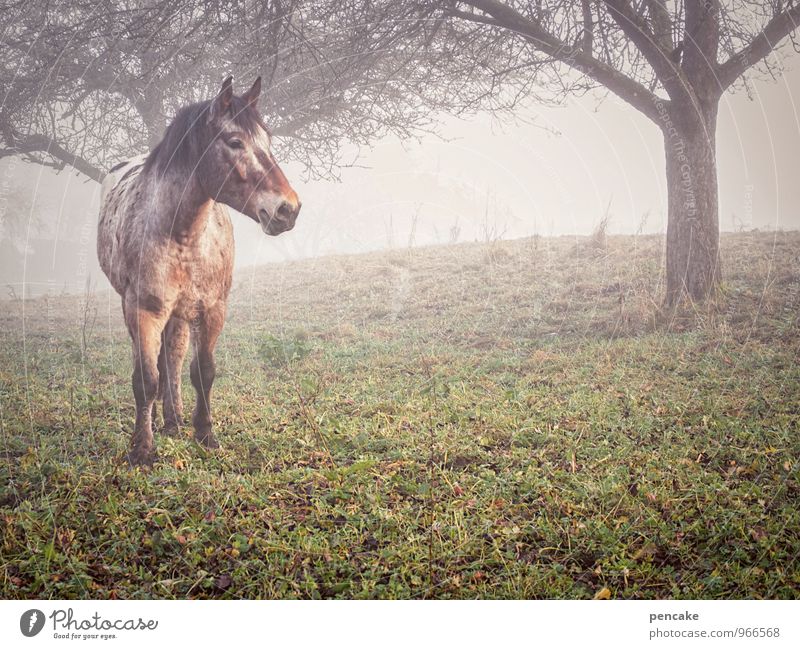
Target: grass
[(511, 420)]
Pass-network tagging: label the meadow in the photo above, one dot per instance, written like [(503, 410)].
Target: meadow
[(504, 419)]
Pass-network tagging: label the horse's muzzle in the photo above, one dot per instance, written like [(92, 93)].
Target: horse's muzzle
[(281, 221)]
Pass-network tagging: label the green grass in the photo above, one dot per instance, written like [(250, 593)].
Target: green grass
[(504, 420)]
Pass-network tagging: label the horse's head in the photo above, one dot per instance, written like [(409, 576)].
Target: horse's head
[(238, 168)]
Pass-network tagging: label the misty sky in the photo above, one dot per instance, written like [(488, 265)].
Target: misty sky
[(487, 180)]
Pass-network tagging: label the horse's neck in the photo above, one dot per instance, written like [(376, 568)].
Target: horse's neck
[(182, 208)]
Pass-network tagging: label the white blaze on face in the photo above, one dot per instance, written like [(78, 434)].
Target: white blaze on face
[(262, 141)]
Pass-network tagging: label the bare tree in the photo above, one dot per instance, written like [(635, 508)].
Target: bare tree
[(671, 60), (86, 83)]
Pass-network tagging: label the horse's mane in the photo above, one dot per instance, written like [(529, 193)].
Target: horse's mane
[(189, 134)]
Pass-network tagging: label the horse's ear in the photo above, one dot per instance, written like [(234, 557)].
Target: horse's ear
[(251, 96), (222, 101)]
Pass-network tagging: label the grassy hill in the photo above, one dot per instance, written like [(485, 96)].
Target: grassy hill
[(507, 419)]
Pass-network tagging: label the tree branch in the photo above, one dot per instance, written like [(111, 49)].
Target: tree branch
[(767, 40), (621, 85), (636, 28), (701, 42), (475, 18), (662, 23), (48, 146), (588, 26)]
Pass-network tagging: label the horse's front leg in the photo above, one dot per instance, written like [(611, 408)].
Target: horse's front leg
[(202, 370), (145, 329), (173, 351)]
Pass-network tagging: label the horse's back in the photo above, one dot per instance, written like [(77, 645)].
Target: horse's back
[(115, 196)]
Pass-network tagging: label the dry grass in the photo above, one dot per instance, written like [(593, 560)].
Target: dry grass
[(509, 419)]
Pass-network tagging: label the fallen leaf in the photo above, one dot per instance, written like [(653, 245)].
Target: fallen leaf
[(603, 593)]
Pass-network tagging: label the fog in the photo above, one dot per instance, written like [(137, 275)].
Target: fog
[(556, 172)]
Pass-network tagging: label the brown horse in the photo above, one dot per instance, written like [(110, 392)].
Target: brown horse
[(165, 242)]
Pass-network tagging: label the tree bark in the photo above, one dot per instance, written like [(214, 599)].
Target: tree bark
[(693, 205)]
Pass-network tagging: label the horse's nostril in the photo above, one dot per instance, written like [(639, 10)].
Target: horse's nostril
[(286, 210)]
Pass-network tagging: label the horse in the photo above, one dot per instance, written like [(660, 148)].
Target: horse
[(165, 242)]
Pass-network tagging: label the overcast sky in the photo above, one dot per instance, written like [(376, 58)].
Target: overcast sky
[(555, 175)]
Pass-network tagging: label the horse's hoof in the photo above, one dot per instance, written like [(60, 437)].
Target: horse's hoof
[(171, 429), (208, 440), (141, 457)]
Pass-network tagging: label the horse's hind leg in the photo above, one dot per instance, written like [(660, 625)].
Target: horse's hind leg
[(145, 329), (162, 372), (173, 351), (203, 370)]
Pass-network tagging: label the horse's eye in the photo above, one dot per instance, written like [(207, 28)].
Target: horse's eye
[(235, 144)]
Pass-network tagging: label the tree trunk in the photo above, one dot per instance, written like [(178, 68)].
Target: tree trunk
[(150, 106), (693, 210)]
